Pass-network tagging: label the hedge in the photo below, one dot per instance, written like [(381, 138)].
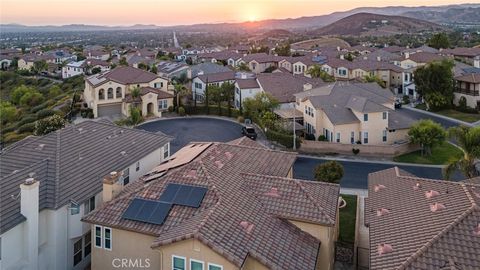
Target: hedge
[(281, 138), (44, 113), (29, 127), (26, 120), (213, 110)]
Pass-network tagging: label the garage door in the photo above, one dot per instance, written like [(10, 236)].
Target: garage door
[(110, 110)]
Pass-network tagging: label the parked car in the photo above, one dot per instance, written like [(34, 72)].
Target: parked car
[(398, 103), (249, 132)]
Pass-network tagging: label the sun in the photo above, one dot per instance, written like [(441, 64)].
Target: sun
[(252, 17)]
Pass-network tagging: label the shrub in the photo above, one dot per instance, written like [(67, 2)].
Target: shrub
[(44, 113), (13, 137), (462, 103), (135, 117), (322, 138), (26, 120), (28, 127), (241, 119), (39, 107), (406, 99), (283, 139), (181, 111), (310, 137), (170, 108), (49, 124), (86, 113), (330, 171), (355, 151)]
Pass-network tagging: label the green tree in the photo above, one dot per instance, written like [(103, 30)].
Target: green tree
[(373, 78), (154, 69), (18, 93), (123, 62), (428, 134), (96, 70), (316, 72), (283, 50), (349, 57), (143, 66), (215, 94), (39, 66), (135, 116), (31, 99), (243, 67), (228, 90), (330, 172), (439, 41), (54, 91), (8, 112), (434, 82), (49, 124), (260, 103), (269, 120), (469, 140), (179, 91)]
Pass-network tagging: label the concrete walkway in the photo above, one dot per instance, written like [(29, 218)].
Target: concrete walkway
[(460, 122)]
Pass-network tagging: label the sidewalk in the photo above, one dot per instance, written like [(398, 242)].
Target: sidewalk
[(460, 122)]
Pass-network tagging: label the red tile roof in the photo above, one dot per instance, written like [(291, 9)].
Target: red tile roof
[(245, 211)]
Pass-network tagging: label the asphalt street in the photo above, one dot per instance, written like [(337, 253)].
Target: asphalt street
[(185, 130)]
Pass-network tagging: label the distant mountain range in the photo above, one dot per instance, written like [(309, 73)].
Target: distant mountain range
[(369, 24), (449, 14)]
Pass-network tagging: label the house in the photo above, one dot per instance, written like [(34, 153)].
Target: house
[(469, 55), (229, 58), (171, 70), (351, 113), (110, 93), (48, 183), (97, 53), (205, 69), (83, 67), (216, 207), (418, 223), (202, 81), (467, 87), (26, 61), (259, 62), (60, 56)]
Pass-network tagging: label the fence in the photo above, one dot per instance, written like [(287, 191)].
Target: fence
[(318, 147)]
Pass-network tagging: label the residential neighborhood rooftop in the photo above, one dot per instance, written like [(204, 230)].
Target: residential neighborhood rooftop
[(124, 75)]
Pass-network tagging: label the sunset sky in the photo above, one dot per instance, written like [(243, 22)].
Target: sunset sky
[(169, 12)]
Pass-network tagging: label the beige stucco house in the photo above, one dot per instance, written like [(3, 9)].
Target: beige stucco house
[(242, 213), (352, 113), (468, 87), (110, 93)]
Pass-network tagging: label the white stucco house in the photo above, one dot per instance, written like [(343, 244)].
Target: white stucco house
[(49, 183)]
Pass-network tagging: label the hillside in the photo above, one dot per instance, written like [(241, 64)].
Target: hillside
[(461, 15), (362, 24)]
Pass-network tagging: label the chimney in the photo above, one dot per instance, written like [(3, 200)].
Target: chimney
[(379, 58), (342, 56), (407, 55), (307, 86), (111, 186), (29, 207), (243, 76), (338, 48)]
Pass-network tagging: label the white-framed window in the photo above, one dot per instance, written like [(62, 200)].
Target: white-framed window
[(196, 265), (338, 137), (178, 263), (74, 208), (384, 115), (77, 252), (137, 166), (166, 150), (87, 244), (384, 135), (162, 104), (365, 137), (365, 117), (352, 137), (107, 238), (98, 236), (212, 266), (126, 176), (89, 205)]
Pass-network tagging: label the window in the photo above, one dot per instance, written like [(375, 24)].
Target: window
[(118, 92), (384, 135), (107, 237), (74, 208), (212, 266), (101, 94), (162, 104), (166, 150), (77, 252), (98, 236), (352, 137), (178, 263), (109, 93), (89, 205), (338, 137), (365, 137), (87, 244), (384, 115), (365, 117), (126, 176), (196, 265), (137, 166)]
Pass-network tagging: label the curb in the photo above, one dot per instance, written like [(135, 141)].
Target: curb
[(373, 161)]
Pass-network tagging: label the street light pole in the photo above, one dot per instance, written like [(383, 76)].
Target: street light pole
[(294, 139)]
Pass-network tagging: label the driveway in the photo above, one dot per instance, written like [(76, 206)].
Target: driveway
[(417, 115), (195, 129)]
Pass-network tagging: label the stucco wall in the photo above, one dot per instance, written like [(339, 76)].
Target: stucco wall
[(316, 147)]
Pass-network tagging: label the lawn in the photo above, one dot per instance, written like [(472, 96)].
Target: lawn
[(466, 117), (440, 155), (348, 216)]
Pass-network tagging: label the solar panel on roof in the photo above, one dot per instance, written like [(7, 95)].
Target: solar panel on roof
[(185, 195), (147, 211), (133, 209), (170, 192), (182, 195), (196, 197), (160, 213)]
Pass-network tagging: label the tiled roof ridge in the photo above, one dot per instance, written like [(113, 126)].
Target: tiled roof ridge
[(26, 168), (422, 179), (20, 143), (251, 147), (360, 85), (307, 194), (57, 166), (157, 133), (432, 241)]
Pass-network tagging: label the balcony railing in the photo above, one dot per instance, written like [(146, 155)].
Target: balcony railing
[(467, 91)]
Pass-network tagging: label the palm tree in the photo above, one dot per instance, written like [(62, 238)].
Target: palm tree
[(315, 71), (135, 95), (469, 140), (179, 91)]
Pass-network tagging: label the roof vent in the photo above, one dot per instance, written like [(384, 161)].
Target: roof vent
[(123, 153), (228, 155), (40, 147), (80, 130), (219, 164), (378, 187), (247, 226), (113, 174), (29, 181), (384, 249), (417, 186), (431, 193), (273, 192), (437, 207), (477, 230), (382, 212)]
